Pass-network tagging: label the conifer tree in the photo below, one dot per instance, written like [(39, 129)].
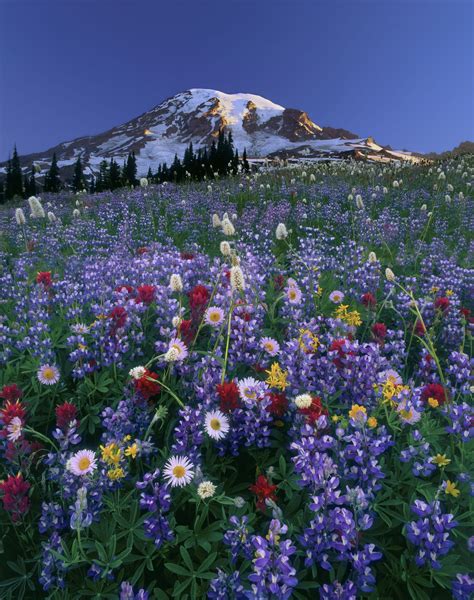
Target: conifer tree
[(14, 179), (52, 180), (245, 162), (79, 181), (114, 175)]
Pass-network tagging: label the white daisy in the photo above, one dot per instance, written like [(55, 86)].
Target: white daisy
[(48, 374), (82, 462), (214, 316), (270, 345), (216, 424), (14, 429), (178, 471)]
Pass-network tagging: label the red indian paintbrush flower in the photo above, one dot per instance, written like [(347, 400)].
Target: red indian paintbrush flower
[(119, 317), (229, 396), (279, 404), (11, 410), (313, 412), (198, 297), (435, 391), (442, 304), (146, 387), (11, 392), (15, 496), (379, 331), (368, 300), (145, 294), (65, 414), (44, 278), (263, 490)]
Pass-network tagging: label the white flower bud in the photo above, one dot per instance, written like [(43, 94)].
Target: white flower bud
[(37, 210), (281, 232), (389, 274), (237, 280), (20, 216), (225, 248), (372, 257), (227, 227), (176, 283), (216, 222), (76, 213), (51, 217), (143, 182), (359, 202)]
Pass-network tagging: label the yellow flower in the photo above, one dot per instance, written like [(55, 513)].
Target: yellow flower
[(117, 473), (277, 377), (440, 460), (349, 317), (434, 289), (433, 402), (127, 438), (111, 453), (81, 347), (451, 489), (372, 422), (390, 389), (449, 292), (307, 341), (358, 413), (336, 418), (132, 451)]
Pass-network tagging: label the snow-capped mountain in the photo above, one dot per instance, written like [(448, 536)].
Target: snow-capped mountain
[(263, 128)]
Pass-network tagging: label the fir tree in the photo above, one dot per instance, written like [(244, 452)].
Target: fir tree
[(115, 180), (52, 180), (245, 162), (79, 181), (14, 180), (30, 183)]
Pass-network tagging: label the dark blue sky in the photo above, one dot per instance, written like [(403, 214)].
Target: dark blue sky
[(400, 70)]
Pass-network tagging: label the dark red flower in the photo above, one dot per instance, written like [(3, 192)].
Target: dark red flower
[(142, 250), (145, 294), (337, 346), (466, 313), (246, 316), (263, 490), (186, 331), (434, 390), (314, 411), (146, 387), (65, 414), (30, 246), (279, 404), (379, 331), (368, 300), (11, 410), (420, 329), (279, 282), (15, 496), (11, 392), (44, 278), (128, 288), (228, 393), (442, 303), (187, 255), (198, 297), (119, 317)]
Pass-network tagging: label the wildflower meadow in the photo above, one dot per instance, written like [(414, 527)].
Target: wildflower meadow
[(253, 387)]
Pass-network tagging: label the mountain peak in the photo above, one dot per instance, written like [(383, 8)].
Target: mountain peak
[(198, 115)]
